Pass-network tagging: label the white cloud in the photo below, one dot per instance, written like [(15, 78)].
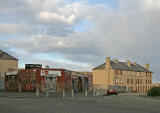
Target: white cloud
[(48, 16)]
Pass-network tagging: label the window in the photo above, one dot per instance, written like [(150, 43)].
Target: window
[(116, 80), (140, 88), (128, 81), (116, 72), (120, 72), (121, 80), (131, 81), (150, 74)]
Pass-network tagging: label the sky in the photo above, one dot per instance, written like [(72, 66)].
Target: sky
[(80, 34)]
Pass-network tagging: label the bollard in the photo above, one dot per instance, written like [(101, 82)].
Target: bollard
[(37, 92), (86, 93), (72, 93), (63, 93)]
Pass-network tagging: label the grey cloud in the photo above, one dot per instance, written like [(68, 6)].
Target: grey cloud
[(17, 29), (62, 65), (58, 15), (129, 32)]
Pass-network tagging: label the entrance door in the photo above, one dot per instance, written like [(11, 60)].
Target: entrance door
[(80, 84)]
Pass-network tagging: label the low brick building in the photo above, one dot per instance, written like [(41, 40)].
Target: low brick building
[(123, 76), (56, 79)]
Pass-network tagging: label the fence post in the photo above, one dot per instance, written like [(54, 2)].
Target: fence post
[(63, 93), (86, 92), (100, 92), (47, 94), (97, 92), (19, 87), (37, 91), (94, 92), (72, 93)]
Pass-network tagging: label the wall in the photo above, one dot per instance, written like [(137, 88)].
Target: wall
[(4, 67), (6, 64), (100, 78), (134, 82)]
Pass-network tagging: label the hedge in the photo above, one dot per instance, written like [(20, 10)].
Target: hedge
[(154, 91)]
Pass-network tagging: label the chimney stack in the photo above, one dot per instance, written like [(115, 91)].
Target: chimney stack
[(147, 66), (108, 62), (128, 63)]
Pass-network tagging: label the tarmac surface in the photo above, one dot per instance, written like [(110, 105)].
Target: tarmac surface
[(105, 104)]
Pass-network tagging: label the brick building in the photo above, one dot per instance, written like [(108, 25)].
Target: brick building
[(123, 76), (57, 80)]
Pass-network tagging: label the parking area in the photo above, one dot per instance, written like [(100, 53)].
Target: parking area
[(105, 104)]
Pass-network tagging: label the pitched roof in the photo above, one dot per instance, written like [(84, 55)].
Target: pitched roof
[(6, 56), (123, 66)]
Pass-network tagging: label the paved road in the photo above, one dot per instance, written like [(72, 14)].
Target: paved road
[(107, 104)]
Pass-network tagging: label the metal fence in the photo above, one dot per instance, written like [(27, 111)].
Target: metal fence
[(60, 94)]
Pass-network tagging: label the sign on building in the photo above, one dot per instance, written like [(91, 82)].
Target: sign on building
[(12, 73), (51, 73)]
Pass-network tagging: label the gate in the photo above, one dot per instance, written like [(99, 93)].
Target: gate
[(51, 84)]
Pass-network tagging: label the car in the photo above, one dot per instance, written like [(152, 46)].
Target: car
[(112, 91)]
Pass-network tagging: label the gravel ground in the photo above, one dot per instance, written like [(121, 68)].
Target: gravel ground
[(106, 104)]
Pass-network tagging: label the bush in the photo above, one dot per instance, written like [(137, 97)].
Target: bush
[(154, 91)]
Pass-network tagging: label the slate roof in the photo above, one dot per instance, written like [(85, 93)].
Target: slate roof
[(124, 66), (6, 56)]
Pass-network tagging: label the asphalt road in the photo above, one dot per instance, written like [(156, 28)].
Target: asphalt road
[(107, 104)]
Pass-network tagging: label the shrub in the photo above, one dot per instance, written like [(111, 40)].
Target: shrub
[(154, 91)]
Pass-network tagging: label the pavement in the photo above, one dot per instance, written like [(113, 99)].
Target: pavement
[(100, 104)]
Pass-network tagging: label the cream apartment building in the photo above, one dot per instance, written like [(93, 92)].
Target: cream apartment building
[(7, 63), (126, 76)]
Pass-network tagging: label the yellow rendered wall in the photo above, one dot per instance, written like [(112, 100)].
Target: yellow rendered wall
[(7, 64), (100, 78)]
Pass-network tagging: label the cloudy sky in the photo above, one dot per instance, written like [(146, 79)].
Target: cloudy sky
[(80, 34)]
